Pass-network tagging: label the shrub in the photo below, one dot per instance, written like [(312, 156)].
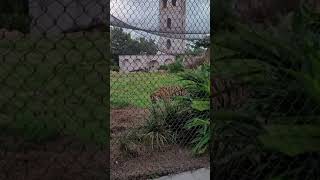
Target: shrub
[(289, 52), (289, 89), (176, 67), (163, 67), (182, 115), (156, 132), (199, 87)]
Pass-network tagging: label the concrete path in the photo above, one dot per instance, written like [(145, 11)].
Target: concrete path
[(200, 174)]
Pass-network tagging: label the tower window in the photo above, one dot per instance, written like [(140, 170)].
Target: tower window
[(174, 2), (165, 2), (168, 44), (169, 23)]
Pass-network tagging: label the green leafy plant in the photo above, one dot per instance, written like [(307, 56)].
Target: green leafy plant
[(202, 140), (288, 87), (290, 56), (177, 66), (197, 82), (163, 67), (155, 131), (198, 85)]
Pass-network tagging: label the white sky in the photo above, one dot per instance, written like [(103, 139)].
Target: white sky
[(145, 14)]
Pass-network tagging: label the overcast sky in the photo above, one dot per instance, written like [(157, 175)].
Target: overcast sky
[(145, 14)]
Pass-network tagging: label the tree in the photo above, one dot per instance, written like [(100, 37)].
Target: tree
[(123, 44)]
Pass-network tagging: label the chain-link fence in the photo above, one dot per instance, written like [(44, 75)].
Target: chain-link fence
[(53, 89), (271, 57), (159, 87), (263, 89)]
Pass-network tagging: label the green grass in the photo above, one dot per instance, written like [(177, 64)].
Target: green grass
[(134, 89), (293, 139), (53, 87)]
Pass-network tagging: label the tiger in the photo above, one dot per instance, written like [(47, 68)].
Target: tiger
[(225, 93), (166, 93)]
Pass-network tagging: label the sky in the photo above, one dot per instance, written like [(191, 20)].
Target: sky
[(145, 14)]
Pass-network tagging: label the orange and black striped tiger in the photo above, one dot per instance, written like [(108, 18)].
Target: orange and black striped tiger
[(166, 93), (226, 93)]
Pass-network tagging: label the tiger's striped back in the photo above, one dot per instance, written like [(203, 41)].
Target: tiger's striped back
[(166, 93)]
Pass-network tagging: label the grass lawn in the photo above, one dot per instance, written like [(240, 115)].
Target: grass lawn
[(134, 89), (52, 87)]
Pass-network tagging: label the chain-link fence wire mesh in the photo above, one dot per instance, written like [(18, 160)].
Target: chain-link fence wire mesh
[(271, 70), (53, 70), (159, 87)]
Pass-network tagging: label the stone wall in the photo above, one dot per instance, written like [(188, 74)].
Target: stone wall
[(129, 63), (57, 16)]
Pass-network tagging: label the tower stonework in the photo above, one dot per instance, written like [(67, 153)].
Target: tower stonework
[(172, 21)]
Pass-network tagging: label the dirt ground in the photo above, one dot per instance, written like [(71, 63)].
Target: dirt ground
[(149, 163), (69, 159)]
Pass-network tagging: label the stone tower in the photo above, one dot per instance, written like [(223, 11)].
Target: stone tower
[(172, 21)]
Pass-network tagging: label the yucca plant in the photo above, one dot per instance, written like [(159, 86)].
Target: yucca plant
[(156, 131)]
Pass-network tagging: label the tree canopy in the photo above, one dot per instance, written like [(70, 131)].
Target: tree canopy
[(123, 44)]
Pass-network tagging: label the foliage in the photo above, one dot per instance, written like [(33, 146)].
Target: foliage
[(198, 85), (177, 66), (123, 44), (156, 131), (202, 140), (185, 115), (290, 57), (223, 14), (198, 47), (197, 82), (163, 67), (287, 88)]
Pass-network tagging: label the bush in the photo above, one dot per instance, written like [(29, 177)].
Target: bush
[(163, 67), (176, 67), (185, 115), (289, 52)]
